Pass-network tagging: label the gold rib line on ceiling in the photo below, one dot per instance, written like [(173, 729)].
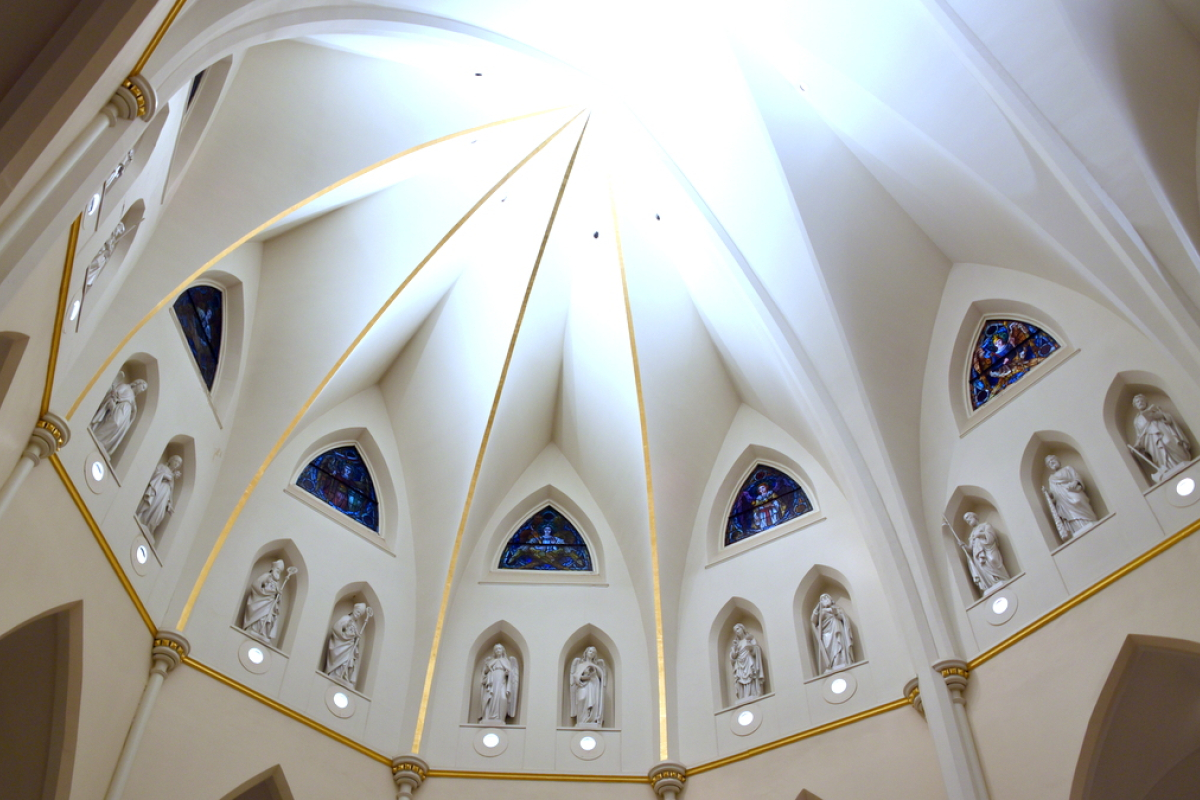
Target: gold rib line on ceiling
[(237, 509), (663, 748), (487, 432), (158, 37), (63, 289), (278, 217), (536, 776)]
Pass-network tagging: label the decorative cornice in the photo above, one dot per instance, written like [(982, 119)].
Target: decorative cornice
[(169, 650), (667, 778)]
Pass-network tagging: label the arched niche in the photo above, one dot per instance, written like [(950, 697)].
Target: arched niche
[(359, 592), (12, 348), (161, 538), (504, 633), (386, 490), (104, 261), (1034, 474), (267, 785), (199, 109), (126, 170), (291, 600), (1142, 739), (736, 611), (41, 671), (825, 580), (959, 369), (139, 366), (229, 357), (548, 495), (973, 499), (1119, 416), (589, 636), (735, 477)]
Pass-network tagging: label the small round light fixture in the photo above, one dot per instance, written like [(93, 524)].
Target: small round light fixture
[(999, 605), (93, 204), (142, 554), (73, 314), (492, 740), (98, 470), (588, 743), (1185, 487), (839, 686), (256, 656), (745, 718), (339, 698)]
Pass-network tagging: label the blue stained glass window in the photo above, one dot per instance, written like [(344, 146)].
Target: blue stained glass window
[(547, 541), (1006, 351), (766, 500), (200, 313), (340, 477)]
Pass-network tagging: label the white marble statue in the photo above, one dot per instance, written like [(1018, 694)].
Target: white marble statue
[(116, 413), (1067, 497), (345, 645), (589, 676), (833, 637), (119, 169), (262, 620), (746, 661), (983, 555), (159, 498), (100, 260), (498, 686), (1160, 442)]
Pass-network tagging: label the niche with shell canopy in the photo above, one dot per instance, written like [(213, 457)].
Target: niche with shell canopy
[(738, 611), (504, 634), (1062, 524), (274, 623), (361, 675), (822, 580), (977, 501), (585, 637), (1163, 415)]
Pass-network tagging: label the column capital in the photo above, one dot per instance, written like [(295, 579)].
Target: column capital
[(409, 772), (169, 650), (912, 693), (667, 778), (50, 434), (955, 673), (134, 98)]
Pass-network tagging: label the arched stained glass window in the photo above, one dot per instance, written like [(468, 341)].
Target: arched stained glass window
[(547, 541), (1007, 349), (340, 477), (766, 500), (200, 311)]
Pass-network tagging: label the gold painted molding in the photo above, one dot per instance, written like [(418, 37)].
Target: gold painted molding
[(155, 42), (536, 776), (663, 741), (63, 289), (212, 262), (487, 433), (241, 503)]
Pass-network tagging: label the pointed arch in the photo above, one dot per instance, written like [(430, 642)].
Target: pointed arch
[(341, 478), (267, 785), (520, 515), (200, 311), (501, 632), (369, 645), (767, 498), (547, 540), (736, 611), (1005, 351), (590, 636)]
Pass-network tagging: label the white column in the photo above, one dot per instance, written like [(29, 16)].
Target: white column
[(168, 652), (49, 435), (945, 684)]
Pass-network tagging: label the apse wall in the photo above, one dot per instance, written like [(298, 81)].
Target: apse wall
[(1066, 407)]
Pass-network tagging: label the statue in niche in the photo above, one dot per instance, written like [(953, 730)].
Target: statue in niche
[(119, 169), (262, 603), (589, 676), (982, 548), (100, 260), (345, 645), (158, 499), (832, 632), (116, 413), (498, 687), (1160, 440), (1068, 500), (745, 658)]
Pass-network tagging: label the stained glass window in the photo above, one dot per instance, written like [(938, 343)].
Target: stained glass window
[(340, 477), (547, 541), (766, 500), (200, 311), (1006, 351)]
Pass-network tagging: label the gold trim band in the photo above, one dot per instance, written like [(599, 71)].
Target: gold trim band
[(237, 509), (63, 289), (487, 433), (535, 776), (52, 429), (259, 229), (153, 45)]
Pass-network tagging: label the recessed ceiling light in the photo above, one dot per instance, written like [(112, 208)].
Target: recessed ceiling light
[(74, 312), (1185, 487), (256, 656), (587, 742), (97, 471), (93, 204), (339, 698), (745, 718), (838, 686), (491, 740), (1000, 605), (141, 554)]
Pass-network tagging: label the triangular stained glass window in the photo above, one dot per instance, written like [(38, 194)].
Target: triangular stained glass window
[(767, 499), (1005, 352), (547, 541), (200, 311), (340, 478)]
